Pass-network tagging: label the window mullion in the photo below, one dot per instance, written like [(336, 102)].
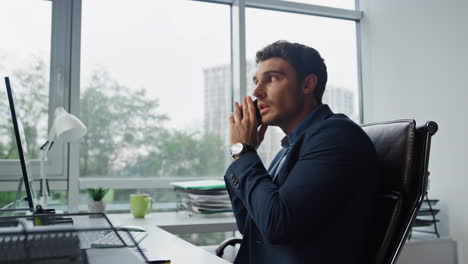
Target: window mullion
[(62, 77), (59, 80), (359, 66), (74, 101), (238, 56)]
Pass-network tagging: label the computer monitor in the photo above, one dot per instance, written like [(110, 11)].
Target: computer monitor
[(22, 147)]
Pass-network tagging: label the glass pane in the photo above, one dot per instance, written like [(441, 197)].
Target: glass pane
[(335, 40), (346, 4), (6, 198), (57, 200), (25, 57), (164, 200), (145, 88)]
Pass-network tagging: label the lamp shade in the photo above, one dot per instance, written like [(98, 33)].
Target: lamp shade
[(66, 126)]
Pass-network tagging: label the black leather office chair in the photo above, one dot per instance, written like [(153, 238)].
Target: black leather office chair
[(403, 152)]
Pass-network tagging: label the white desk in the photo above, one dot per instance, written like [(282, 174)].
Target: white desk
[(180, 222), (160, 244)]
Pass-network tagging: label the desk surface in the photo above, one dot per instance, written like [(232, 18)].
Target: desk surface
[(161, 244), (180, 222)]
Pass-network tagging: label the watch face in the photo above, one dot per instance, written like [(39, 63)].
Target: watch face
[(237, 148)]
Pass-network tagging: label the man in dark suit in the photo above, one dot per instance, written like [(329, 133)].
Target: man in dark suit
[(316, 202)]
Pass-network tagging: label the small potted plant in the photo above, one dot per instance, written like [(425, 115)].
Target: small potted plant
[(96, 205)]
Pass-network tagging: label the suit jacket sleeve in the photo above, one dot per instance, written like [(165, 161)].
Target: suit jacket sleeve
[(240, 212), (318, 183)]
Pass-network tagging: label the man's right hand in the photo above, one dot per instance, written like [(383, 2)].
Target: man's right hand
[(243, 124)]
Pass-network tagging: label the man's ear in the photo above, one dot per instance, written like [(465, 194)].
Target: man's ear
[(310, 83)]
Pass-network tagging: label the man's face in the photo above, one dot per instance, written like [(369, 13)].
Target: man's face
[(280, 97)]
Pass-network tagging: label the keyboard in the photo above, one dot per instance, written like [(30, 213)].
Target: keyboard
[(111, 239)]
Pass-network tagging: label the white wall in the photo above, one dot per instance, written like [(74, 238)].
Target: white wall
[(415, 65)]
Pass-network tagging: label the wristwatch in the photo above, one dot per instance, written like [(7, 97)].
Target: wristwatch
[(237, 149)]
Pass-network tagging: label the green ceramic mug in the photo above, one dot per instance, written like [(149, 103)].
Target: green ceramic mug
[(140, 205)]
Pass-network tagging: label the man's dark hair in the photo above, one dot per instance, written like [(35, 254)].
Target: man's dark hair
[(305, 60)]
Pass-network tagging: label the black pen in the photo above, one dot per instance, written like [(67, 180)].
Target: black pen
[(160, 261)]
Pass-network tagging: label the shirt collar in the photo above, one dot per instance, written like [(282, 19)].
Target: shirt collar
[(297, 132)]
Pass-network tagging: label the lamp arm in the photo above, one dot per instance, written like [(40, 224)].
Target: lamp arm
[(44, 145), (50, 139)]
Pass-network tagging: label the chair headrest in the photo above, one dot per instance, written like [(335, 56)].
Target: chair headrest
[(394, 143)]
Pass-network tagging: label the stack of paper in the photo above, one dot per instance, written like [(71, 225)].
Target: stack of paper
[(206, 196)]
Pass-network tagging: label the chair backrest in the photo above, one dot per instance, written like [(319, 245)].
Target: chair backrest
[(403, 152)]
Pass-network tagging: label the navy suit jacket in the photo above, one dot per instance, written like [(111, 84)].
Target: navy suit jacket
[(321, 206)]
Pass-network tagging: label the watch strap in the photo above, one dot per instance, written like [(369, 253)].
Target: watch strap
[(246, 149)]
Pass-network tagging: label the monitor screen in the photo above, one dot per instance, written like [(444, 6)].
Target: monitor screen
[(22, 147)]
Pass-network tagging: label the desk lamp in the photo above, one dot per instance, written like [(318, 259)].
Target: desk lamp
[(65, 127)]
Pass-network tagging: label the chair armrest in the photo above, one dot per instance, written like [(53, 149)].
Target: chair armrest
[(228, 242)]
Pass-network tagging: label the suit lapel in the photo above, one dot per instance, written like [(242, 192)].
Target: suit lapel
[(291, 159), (275, 160), (322, 113)]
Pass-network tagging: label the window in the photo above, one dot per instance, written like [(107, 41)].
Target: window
[(152, 89), (25, 59), (117, 200), (335, 39)]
